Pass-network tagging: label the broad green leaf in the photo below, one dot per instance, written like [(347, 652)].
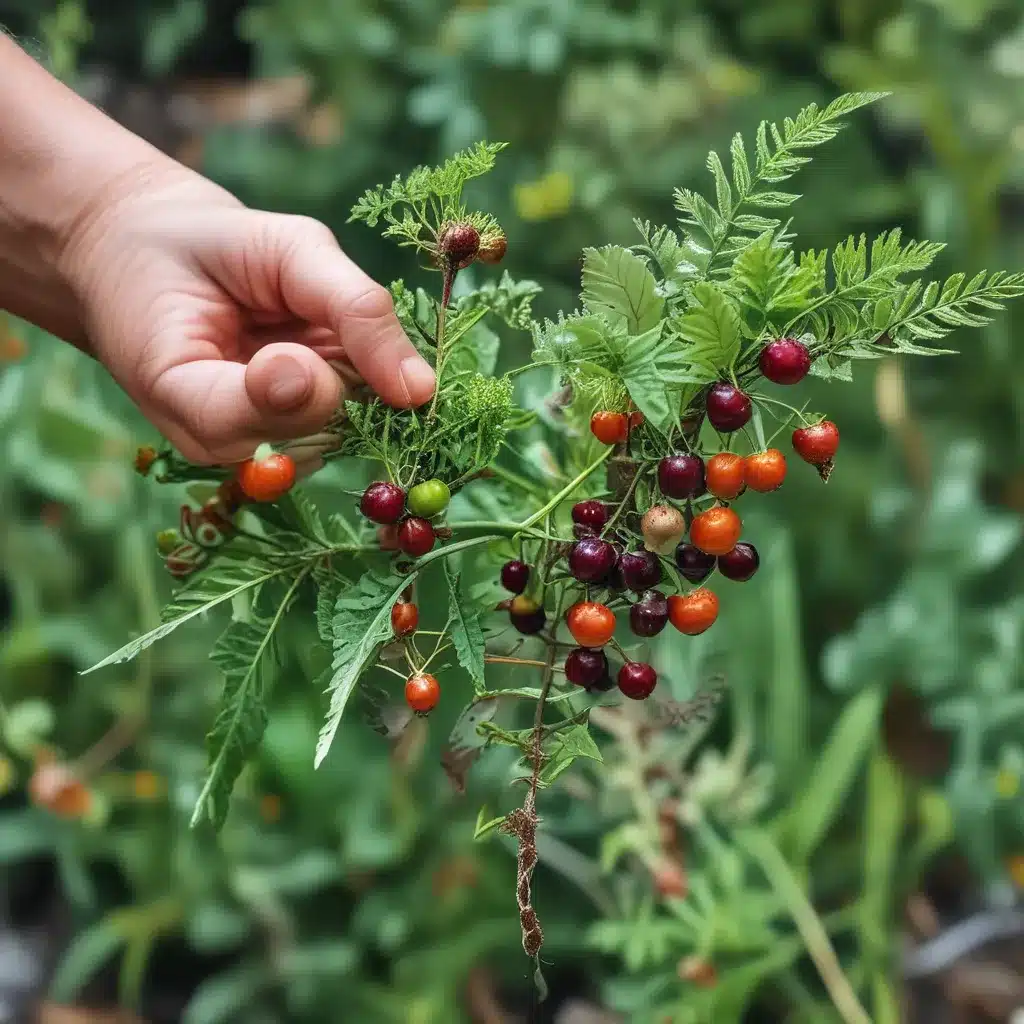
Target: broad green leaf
[(712, 326), (574, 742), (362, 623), (619, 285), (221, 582), (465, 630), (830, 780)]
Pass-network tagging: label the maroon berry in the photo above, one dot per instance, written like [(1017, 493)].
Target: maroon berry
[(681, 476), (514, 576), (383, 502), (415, 536), (593, 514), (649, 615), (591, 559), (459, 243), (739, 564), (728, 407), (693, 563), (640, 570), (585, 667), (785, 361), (637, 680), (526, 615)]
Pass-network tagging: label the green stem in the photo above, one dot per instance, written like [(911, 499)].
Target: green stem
[(566, 490), (622, 504), (485, 524)]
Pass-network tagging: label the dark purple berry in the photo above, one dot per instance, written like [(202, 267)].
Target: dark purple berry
[(649, 615), (591, 513), (740, 564), (640, 570), (728, 407), (382, 502), (785, 361), (591, 559), (584, 667), (637, 680), (459, 243), (693, 563), (514, 576), (681, 476), (526, 615)]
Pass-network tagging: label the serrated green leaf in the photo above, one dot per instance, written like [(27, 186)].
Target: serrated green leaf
[(362, 623), (247, 656), (465, 630), (567, 746), (618, 284), (484, 825), (712, 326), (215, 585)]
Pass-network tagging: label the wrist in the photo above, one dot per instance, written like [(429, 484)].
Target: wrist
[(62, 161)]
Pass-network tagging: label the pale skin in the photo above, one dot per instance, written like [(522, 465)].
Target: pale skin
[(216, 319)]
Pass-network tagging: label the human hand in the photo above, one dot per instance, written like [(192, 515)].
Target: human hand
[(218, 320)]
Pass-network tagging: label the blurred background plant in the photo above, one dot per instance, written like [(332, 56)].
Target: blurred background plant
[(857, 796)]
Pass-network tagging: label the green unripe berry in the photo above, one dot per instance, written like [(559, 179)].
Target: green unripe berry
[(429, 498)]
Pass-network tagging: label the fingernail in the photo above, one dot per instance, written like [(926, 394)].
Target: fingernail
[(289, 387), (418, 378)]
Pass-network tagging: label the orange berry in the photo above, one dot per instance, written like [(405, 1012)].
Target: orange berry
[(592, 624), (725, 475), (716, 531), (765, 470), (610, 427), (422, 692), (693, 613)]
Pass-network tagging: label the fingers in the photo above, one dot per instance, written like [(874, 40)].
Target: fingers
[(318, 283), (222, 410)]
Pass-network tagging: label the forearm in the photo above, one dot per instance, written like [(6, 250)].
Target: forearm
[(61, 160)]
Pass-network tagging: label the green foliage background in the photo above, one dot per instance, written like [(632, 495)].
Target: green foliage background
[(900, 574)]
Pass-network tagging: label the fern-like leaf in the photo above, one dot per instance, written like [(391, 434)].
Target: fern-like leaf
[(465, 630), (362, 623)]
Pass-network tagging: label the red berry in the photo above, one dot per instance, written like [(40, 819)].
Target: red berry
[(818, 444), (637, 680), (728, 407), (405, 617), (716, 531), (383, 502), (726, 475), (514, 576), (415, 536), (693, 563), (694, 612), (681, 476), (765, 471), (649, 615), (592, 513), (636, 419), (640, 570), (592, 624), (267, 479), (739, 564), (591, 559), (422, 692), (785, 361), (610, 427), (526, 615), (585, 667), (459, 243)]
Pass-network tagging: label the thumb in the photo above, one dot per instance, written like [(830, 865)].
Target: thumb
[(294, 265), (220, 410)]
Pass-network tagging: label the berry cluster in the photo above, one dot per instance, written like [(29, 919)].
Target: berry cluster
[(405, 524), (618, 570)]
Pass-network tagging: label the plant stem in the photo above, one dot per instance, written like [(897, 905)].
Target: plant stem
[(622, 504), (442, 315), (566, 490), (485, 524)]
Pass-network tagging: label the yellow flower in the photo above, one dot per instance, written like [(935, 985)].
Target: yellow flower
[(545, 199)]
